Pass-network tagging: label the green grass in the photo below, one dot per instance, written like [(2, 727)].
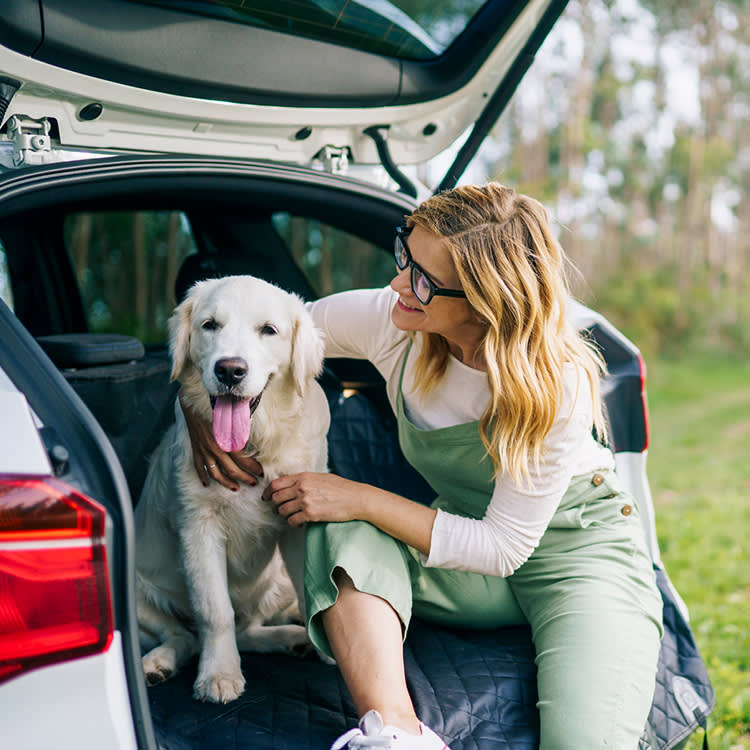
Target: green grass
[(699, 471)]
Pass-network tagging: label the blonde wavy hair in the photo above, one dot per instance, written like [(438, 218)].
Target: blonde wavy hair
[(513, 271)]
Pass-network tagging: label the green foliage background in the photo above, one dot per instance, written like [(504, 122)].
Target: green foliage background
[(699, 473), (651, 197)]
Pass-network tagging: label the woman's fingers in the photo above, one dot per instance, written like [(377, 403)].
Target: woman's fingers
[(297, 519), (286, 495), (312, 496), (224, 470), (280, 497), (201, 468), (289, 507), (278, 485), (213, 472), (221, 473)]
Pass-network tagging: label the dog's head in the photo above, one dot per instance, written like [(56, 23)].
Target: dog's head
[(235, 336)]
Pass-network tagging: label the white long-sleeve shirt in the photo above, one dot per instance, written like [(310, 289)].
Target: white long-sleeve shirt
[(357, 324)]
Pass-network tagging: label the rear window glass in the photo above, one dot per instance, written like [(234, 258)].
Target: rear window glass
[(126, 263), (409, 29), (331, 259)]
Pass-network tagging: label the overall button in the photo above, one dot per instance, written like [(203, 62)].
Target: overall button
[(626, 510), (597, 479)]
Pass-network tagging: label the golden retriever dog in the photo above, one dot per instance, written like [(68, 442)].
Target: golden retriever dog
[(210, 577)]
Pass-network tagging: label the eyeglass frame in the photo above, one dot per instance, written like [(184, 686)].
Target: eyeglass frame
[(399, 243)]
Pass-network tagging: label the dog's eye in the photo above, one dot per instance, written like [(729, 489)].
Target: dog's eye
[(268, 330), (209, 325)]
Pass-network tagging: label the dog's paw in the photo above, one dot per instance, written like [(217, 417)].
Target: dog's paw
[(219, 688), (158, 665), (156, 676)]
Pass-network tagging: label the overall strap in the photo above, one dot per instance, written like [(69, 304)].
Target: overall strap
[(453, 460)]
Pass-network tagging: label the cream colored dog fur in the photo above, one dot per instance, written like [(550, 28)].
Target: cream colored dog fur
[(210, 578)]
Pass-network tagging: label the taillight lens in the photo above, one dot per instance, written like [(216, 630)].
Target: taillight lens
[(55, 599)]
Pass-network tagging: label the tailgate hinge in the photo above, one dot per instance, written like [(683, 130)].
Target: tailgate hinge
[(31, 140), (335, 159)]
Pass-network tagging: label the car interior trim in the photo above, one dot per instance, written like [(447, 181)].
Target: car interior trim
[(160, 49)]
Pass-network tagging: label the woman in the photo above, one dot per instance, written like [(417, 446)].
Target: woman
[(496, 397)]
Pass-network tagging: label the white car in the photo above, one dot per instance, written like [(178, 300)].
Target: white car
[(147, 144)]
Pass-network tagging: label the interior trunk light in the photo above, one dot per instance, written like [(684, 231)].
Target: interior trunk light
[(55, 601)]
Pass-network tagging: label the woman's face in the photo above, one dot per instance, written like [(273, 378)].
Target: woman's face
[(451, 317)]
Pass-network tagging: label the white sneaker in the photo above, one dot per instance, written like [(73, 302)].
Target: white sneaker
[(372, 733)]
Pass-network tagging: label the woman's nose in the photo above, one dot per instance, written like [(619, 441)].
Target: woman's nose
[(401, 282)]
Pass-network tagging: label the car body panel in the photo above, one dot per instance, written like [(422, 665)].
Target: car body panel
[(21, 450), (78, 704)]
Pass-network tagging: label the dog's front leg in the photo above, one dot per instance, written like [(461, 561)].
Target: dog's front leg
[(292, 548), (204, 557)]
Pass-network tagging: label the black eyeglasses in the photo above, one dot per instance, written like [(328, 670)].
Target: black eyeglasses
[(423, 287)]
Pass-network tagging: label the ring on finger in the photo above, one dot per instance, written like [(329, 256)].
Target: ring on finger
[(209, 466)]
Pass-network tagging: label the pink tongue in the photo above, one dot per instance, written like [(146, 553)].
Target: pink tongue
[(231, 423)]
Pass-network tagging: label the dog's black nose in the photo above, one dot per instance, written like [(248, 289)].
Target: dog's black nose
[(230, 370)]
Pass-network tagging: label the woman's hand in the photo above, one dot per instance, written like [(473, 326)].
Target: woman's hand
[(312, 496), (327, 497), (211, 462)]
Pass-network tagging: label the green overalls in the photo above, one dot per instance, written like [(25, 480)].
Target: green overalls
[(588, 591)]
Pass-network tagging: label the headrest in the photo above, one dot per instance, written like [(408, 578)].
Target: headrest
[(201, 266), (90, 349)]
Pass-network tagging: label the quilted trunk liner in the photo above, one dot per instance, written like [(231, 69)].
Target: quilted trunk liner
[(475, 688)]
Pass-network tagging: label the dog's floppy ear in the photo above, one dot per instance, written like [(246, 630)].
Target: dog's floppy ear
[(307, 350), (179, 336)]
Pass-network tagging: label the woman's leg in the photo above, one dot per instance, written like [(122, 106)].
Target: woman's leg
[(366, 638), (357, 612), (596, 670), (590, 596)]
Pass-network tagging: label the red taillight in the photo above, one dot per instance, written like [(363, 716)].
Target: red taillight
[(644, 403), (54, 584)]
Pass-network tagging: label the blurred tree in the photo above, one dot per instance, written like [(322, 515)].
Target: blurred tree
[(644, 160), (126, 264)]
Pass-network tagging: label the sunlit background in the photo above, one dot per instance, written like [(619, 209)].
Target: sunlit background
[(633, 127)]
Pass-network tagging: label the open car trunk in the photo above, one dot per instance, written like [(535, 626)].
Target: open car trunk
[(477, 688)]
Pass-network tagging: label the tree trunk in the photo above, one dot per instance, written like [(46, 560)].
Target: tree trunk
[(139, 263)]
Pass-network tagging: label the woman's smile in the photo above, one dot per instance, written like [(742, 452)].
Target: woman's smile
[(406, 307)]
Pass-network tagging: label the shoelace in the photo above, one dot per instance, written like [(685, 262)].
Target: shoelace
[(355, 739)]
